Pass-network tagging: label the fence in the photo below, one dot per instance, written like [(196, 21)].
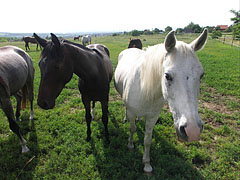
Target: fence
[(231, 40)]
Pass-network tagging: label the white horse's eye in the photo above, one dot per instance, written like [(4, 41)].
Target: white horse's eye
[(168, 77)]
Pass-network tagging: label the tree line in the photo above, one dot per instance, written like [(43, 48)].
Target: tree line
[(196, 28)]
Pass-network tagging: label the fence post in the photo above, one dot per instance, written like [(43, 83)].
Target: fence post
[(232, 40), (224, 39)]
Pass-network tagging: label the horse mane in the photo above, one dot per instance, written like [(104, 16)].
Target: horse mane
[(151, 71), (75, 44)]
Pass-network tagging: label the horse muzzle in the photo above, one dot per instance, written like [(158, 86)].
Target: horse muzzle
[(46, 104), (189, 132)]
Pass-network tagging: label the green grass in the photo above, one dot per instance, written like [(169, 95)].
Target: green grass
[(57, 138)]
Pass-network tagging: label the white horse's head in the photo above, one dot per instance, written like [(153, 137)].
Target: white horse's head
[(181, 77)]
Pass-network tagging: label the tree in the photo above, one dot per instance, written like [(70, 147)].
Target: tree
[(216, 34), (210, 28), (179, 30), (168, 29), (236, 23), (194, 28), (156, 31), (235, 19)]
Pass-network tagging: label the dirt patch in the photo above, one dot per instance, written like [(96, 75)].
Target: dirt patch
[(218, 101)]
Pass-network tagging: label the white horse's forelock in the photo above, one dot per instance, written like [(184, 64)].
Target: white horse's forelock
[(151, 71)]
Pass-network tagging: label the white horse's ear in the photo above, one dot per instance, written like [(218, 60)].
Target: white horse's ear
[(170, 41), (199, 43)]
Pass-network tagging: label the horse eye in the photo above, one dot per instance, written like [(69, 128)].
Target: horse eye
[(168, 77)]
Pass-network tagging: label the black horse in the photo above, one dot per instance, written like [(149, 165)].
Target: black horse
[(59, 60)]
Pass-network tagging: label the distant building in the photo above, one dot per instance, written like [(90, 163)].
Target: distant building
[(222, 27)]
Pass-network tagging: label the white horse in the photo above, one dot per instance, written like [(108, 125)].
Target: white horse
[(166, 72), (86, 40)]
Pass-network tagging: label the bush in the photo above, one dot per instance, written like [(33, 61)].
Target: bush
[(135, 33), (216, 34)]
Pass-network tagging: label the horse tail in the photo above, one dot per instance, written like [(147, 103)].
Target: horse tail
[(24, 101)]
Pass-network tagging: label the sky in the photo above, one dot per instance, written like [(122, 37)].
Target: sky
[(72, 16)]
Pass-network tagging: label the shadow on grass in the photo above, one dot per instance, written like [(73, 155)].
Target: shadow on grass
[(14, 164), (117, 162)]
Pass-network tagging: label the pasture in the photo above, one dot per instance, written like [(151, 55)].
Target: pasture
[(57, 139)]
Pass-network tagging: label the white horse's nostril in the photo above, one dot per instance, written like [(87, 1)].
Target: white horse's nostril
[(182, 130)]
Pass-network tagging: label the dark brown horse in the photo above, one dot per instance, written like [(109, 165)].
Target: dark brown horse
[(76, 38), (27, 40), (59, 60), (16, 79), (135, 43)]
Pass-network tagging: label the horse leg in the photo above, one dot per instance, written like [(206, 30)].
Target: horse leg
[(30, 96), (93, 109), (125, 117), (37, 47), (26, 45), (88, 117), (105, 118), (18, 97), (8, 110), (131, 117), (147, 143)]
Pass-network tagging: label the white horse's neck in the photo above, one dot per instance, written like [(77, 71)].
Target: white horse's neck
[(151, 72)]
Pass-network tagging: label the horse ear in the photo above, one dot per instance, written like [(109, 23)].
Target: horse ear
[(199, 43), (170, 41), (55, 40), (41, 41)]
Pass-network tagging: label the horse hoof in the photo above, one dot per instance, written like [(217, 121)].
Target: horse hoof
[(88, 139), (147, 168), (18, 120), (130, 146), (25, 149)]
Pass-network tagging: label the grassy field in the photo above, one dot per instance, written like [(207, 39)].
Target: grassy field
[(58, 149)]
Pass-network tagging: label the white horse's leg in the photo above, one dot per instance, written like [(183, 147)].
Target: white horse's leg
[(125, 118), (132, 128), (31, 115), (147, 143), (24, 146)]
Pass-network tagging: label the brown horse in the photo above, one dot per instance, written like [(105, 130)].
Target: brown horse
[(135, 43), (59, 60), (16, 79), (27, 40), (76, 38)]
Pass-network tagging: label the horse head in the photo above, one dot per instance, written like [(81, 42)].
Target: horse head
[(181, 77), (55, 71)]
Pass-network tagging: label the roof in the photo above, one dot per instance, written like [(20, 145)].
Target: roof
[(222, 27)]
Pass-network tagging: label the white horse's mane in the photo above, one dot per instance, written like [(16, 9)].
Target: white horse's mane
[(151, 71)]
